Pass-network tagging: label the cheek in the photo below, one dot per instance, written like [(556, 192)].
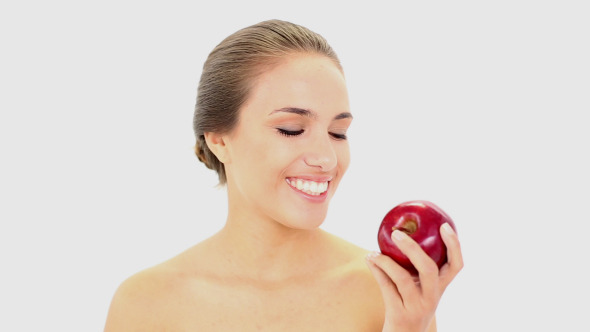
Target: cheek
[(343, 154), (263, 158)]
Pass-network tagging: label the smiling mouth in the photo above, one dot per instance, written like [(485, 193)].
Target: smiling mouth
[(312, 188)]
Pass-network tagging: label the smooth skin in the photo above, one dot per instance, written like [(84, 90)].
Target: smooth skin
[(271, 268)]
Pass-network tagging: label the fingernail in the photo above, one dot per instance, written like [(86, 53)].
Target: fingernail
[(398, 235), (447, 228), (372, 255)]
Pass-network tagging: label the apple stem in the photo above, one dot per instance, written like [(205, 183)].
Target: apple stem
[(408, 227)]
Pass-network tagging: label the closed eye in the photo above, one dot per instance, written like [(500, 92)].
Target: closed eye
[(339, 136), (290, 133)]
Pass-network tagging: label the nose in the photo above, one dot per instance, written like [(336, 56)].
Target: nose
[(321, 153)]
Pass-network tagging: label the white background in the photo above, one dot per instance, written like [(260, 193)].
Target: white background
[(480, 107)]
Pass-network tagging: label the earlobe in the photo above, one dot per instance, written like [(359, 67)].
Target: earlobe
[(216, 143)]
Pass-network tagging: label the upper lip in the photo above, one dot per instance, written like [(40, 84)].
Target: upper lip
[(315, 178)]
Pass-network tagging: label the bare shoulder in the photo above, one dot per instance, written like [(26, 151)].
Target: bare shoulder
[(135, 304), (361, 286), (149, 299), (351, 255)]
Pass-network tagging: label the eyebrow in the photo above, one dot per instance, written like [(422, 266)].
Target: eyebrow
[(309, 113)]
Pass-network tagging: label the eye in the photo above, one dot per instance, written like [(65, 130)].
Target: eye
[(290, 133), (339, 137)]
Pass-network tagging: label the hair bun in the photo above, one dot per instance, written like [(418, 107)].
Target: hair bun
[(200, 148)]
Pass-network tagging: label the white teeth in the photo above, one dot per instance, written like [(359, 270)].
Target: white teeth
[(299, 184), (313, 187), (306, 185), (309, 187)]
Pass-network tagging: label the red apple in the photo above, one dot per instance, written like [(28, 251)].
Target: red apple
[(421, 220)]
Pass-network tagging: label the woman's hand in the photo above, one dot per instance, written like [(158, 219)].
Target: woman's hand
[(410, 302)]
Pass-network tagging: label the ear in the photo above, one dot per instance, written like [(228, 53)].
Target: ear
[(217, 144)]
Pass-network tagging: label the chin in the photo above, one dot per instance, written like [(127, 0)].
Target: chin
[(297, 211), (306, 221)]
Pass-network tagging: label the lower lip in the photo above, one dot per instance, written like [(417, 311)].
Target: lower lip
[(314, 199)]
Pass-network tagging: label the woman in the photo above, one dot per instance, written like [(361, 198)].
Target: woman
[(271, 119)]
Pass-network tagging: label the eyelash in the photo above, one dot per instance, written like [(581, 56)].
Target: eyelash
[(290, 133), (293, 133), (340, 137)]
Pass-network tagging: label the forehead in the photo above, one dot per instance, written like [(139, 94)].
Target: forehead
[(305, 81)]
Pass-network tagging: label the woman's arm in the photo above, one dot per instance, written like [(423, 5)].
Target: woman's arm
[(410, 303)]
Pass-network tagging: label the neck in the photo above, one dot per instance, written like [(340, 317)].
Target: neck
[(266, 250)]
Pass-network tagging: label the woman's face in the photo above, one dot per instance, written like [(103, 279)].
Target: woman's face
[(289, 150)]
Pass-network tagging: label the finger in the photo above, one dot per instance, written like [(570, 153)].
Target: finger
[(427, 268), (401, 278), (454, 256), (391, 296)]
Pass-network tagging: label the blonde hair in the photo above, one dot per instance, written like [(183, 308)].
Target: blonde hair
[(230, 69)]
